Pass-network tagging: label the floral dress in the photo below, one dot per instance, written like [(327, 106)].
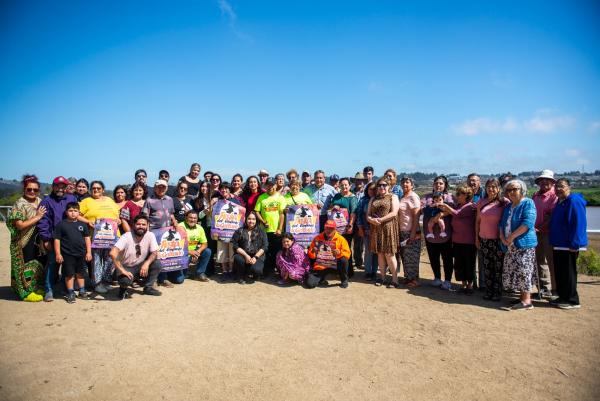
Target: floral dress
[(520, 273), (293, 262), (24, 277)]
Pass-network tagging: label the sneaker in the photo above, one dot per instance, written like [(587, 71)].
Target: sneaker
[(152, 291), (83, 295), (430, 235), (323, 283), (242, 281), (514, 301), (284, 281), (122, 293), (344, 284), (446, 285), (224, 276), (443, 235), (108, 287), (568, 305), (100, 289), (556, 301), (71, 297), (521, 306), (202, 278), (166, 283), (436, 283), (48, 297)]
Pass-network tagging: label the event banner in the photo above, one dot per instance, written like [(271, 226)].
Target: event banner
[(105, 234), (303, 223), (226, 218), (325, 256), (172, 248), (341, 219)]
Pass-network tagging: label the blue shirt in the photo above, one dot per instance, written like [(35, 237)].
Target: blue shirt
[(321, 195), (397, 190), (480, 194), (523, 214)]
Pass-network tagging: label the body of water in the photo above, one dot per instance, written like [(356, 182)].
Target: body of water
[(593, 217)]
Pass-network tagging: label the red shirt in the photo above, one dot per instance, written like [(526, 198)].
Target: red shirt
[(544, 204), (250, 199)]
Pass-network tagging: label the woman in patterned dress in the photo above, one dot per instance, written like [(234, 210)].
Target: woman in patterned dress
[(26, 249), (292, 261), (518, 238), (382, 214), (409, 211)]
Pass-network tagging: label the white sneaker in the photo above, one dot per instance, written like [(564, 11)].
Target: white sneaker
[(443, 235), (108, 287), (436, 282), (430, 235), (100, 289), (446, 285)]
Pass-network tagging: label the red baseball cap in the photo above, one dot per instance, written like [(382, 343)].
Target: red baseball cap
[(59, 180), (330, 223)]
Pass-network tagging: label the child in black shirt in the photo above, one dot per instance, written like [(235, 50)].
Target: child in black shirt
[(73, 248)]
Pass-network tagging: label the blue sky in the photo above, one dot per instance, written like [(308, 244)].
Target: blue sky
[(99, 90)]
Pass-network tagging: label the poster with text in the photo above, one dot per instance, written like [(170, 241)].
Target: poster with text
[(172, 248), (105, 234), (226, 218), (303, 223), (340, 217), (325, 256)]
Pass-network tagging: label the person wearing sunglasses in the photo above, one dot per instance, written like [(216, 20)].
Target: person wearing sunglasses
[(192, 179), (26, 247), (98, 207), (171, 189), (182, 202), (215, 181), (134, 255), (141, 176), (55, 205), (392, 177), (517, 233)]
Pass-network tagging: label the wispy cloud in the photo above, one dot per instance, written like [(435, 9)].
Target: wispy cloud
[(548, 125), (501, 80), (228, 13), (541, 123), (594, 127)]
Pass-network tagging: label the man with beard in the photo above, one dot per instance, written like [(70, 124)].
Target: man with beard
[(55, 204), (136, 252)]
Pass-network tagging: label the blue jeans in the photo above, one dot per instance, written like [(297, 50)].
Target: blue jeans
[(178, 276), (202, 262), (371, 263), (51, 270)]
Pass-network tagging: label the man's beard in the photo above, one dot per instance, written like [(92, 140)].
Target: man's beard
[(139, 232)]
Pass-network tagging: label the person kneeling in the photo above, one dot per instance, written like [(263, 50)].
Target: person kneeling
[(197, 245), (341, 252), (136, 250), (249, 244)]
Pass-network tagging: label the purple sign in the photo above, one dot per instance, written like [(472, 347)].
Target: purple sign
[(340, 217), (302, 222), (105, 234), (227, 217), (325, 257), (172, 248)]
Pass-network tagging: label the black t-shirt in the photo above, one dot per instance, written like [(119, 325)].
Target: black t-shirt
[(179, 210), (71, 235), (193, 187)]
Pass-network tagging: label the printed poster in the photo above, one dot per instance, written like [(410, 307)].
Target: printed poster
[(341, 219), (325, 256), (227, 217), (303, 223), (105, 234), (172, 248)]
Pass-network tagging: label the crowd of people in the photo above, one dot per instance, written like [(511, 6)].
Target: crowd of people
[(491, 237)]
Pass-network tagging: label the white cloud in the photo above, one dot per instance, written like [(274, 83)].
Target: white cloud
[(510, 125), (541, 123), (549, 125), (474, 127), (226, 9), (572, 152), (594, 127), (411, 166)]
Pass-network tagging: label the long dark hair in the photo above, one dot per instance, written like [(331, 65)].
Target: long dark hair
[(124, 190), (444, 179), (366, 190), (201, 197), (255, 230), (499, 199), (28, 179), (136, 185), (246, 191)]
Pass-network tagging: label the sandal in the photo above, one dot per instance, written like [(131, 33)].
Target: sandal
[(413, 284), (392, 285), (404, 281), (135, 285), (378, 282)]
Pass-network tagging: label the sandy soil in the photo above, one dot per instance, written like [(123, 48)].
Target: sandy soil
[(226, 341)]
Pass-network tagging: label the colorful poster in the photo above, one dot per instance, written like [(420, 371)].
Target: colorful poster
[(303, 223), (226, 218), (172, 248), (325, 256), (105, 234), (341, 219)]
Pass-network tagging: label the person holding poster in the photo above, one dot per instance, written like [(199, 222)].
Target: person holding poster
[(225, 248), (269, 208), (329, 243), (198, 250), (250, 245), (135, 255), (321, 195), (292, 262), (99, 206), (295, 197), (348, 201)]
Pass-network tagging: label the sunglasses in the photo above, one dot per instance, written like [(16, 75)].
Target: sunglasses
[(34, 190), (389, 176), (96, 189), (512, 189), (141, 176), (183, 188), (215, 180), (382, 185), (138, 250), (163, 176)]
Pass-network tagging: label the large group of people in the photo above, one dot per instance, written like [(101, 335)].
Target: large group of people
[(491, 237)]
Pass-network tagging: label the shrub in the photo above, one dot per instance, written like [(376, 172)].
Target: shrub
[(588, 263)]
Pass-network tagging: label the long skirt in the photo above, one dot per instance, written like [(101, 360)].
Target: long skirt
[(102, 266), (493, 259), (520, 273), (411, 256)]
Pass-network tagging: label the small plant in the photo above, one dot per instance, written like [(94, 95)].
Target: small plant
[(588, 263)]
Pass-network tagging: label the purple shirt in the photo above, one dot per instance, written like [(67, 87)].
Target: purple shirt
[(463, 224), (55, 212), (544, 204), (159, 211), (450, 200)]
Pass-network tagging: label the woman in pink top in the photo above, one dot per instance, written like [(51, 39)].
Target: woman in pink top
[(410, 241), (489, 213), (463, 238)]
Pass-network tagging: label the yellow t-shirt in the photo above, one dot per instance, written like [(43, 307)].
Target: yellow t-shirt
[(300, 199), (270, 208), (91, 209)]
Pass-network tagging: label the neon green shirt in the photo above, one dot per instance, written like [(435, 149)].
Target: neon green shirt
[(300, 199), (270, 209), (196, 236)]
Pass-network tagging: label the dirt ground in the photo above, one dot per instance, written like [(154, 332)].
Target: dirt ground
[(224, 341)]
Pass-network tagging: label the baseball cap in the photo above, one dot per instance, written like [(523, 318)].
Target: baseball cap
[(306, 172), (60, 180), (334, 177), (161, 182), (270, 180), (330, 223)]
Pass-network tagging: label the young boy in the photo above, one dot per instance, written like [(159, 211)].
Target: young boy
[(431, 211), (73, 248)]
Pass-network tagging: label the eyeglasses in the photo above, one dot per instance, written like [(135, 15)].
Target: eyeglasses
[(34, 190), (183, 188), (96, 189), (263, 175), (141, 176), (138, 250), (512, 189), (558, 187), (382, 185)]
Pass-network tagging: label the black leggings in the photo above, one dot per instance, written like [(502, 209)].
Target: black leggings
[(243, 269), (317, 276), (445, 250), (465, 257)]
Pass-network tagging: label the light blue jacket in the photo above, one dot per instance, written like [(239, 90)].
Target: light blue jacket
[(524, 214)]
